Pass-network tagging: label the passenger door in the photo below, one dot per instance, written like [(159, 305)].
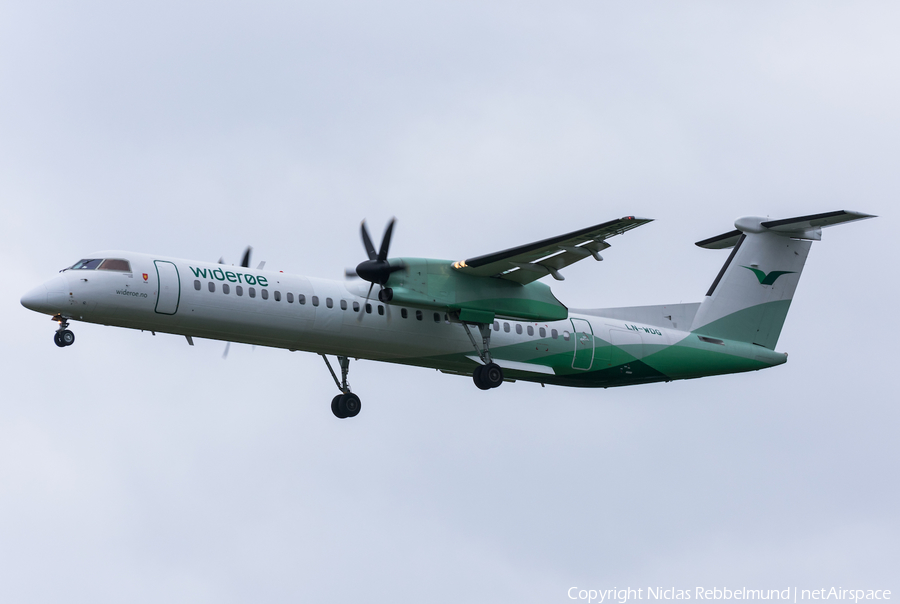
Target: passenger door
[(169, 290), (583, 334)]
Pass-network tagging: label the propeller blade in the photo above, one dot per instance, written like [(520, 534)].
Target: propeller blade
[(367, 241), (221, 260), (349, 273), (225, 354), (386, 241), (362, 309), (245, 262)]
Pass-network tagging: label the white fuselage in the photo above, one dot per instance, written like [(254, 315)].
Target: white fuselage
[(207, 300)]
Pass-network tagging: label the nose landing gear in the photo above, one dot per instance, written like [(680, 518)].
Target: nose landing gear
[(63, 337)]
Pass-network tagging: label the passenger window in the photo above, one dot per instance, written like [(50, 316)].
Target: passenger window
[(381, 310), (225, 288), (418, 315), (211, 286), (329, 302), (239, 290), (403, 313), (115, 264), (496, 326), (518, 328), (554, 334), (566, 336), (277, 296), (197, 284), (315, 300), (368, 308), (343, 305), (506, 327), (301, 299), (251, 291), (543, 332), (265, 293), (530, 330), (290, 298), (355, 306), (437, 317)]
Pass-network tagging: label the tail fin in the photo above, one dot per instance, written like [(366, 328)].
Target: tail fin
[(750, 297)]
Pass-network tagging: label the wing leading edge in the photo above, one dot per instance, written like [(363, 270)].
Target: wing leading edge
[(529, 262)]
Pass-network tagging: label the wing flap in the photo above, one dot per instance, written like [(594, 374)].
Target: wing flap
[(517, 366)]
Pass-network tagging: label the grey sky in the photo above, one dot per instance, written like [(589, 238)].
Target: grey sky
[(139, 469)]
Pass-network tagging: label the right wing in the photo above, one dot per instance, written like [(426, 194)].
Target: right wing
[(529, 262)]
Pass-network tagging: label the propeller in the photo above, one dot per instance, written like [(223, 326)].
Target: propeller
[(376, 269), (245, 262)]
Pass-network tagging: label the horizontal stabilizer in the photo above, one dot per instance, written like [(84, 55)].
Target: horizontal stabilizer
[(721, 242), (814, 221), (802, 227)]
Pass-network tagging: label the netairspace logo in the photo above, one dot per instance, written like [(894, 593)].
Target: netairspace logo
[(791, 594)]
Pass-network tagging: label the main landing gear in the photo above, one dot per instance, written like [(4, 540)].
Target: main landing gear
[(489, 375), (63, 337), (346, 404)]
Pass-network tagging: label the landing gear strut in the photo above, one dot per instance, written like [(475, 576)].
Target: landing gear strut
[(489, 375), (63, 337), (346, 404)]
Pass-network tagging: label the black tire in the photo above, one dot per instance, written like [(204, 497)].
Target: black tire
[(66, 337), (350, 405), (478, 378), (336, 406), (57, 340), (492, 375)]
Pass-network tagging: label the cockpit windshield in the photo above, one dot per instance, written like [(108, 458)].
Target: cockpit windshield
[(102, 264), (86, 265)]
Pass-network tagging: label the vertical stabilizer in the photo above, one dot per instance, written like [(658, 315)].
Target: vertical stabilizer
[(750, 297)]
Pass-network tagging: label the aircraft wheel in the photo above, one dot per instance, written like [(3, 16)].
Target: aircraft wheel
[(492, 375), (478, 378), (66, 337), (336, 407), (350, 405), (57, 340)]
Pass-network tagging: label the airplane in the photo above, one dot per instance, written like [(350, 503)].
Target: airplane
[(489, 317)]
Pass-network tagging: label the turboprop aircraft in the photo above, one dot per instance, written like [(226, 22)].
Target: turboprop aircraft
[(489, 317)]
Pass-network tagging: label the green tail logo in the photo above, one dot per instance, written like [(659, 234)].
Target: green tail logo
[(769, 279)]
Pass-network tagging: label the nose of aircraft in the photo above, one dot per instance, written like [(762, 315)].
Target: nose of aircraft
[(47, 295), (36, 299)]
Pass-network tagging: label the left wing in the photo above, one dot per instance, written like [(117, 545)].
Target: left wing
[(527, 263)]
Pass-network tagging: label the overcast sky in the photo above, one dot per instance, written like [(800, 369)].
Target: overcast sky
[(138, 469)]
